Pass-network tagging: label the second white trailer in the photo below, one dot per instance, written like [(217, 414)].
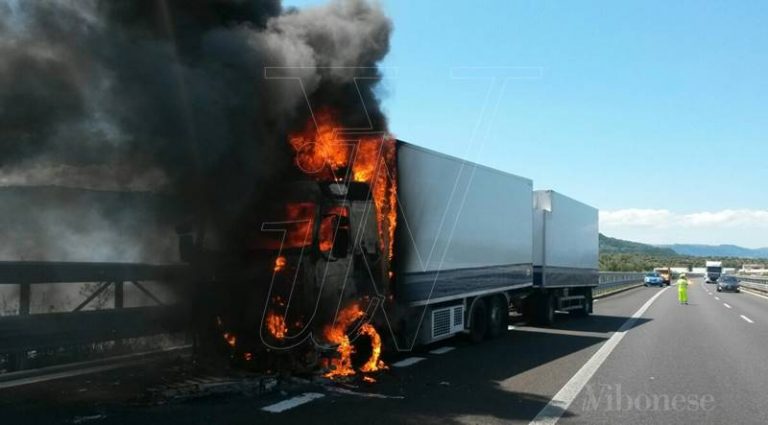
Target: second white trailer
[(565, 256)]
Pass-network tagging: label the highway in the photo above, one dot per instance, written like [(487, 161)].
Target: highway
[(674, 364)]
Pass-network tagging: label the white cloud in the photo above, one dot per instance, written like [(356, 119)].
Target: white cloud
[(660, 226), (636, 217), (731, 218)]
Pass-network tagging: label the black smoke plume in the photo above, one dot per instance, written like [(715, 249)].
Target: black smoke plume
[(192, 97)]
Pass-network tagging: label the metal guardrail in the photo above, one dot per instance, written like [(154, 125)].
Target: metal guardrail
[(756, 283), (612, 282), (25, 331)]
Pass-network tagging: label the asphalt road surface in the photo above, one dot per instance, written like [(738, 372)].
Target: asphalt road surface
[(701, 363)]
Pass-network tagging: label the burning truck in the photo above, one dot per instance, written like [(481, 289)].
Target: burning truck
[(379, 244), (312, 229)]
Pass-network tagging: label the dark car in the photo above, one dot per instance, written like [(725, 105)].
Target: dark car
[(728, 283)]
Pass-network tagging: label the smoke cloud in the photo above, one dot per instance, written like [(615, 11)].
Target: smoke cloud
[(189, 97)]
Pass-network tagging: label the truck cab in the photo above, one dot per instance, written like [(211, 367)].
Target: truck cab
[(665, 273), (308, 248), (714, 269)]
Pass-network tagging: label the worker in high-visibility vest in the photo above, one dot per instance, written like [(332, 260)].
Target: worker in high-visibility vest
[(682, 289)]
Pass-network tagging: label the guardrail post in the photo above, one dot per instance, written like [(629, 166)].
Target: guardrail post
[(25, 295), (18, 359), (119, 304), (119, 300)]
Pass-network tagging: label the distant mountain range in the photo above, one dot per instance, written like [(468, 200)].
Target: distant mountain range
[(620, 246), (717, 251)]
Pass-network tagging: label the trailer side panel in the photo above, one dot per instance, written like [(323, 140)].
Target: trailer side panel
[(463, 230), (566, 243)]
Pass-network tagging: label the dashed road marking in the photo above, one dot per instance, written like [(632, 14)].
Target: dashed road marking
[(560, 402), (726, 305), (717, 298), (410, 361), (359, 394), (747, 319), (292, 402), (442, 350), (510, 328)]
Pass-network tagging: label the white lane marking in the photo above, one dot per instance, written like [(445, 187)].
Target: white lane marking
[(552, 412), (747, 318), (726, 305), (359, 394), (292, 402), (752, 293), (510, 328), (410, 361), (442, 350), (717, 298)]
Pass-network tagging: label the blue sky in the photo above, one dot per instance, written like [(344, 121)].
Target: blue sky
[(642, 106)]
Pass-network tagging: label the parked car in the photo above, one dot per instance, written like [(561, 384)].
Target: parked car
[(728, 283), (653, 279)]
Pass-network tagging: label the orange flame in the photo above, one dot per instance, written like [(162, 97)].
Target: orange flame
[(276, 325), (324, 156), (321, 154), (231, 339), (317, 149), (327, 229), (280, 263), (373, 364), (336, 333), (300, 218)]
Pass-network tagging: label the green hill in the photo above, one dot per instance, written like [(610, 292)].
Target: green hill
[(610, 245), (618, 255)]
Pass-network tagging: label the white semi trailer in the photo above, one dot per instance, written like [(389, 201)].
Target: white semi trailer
[(464, 245), (473, 241), (565, 256)]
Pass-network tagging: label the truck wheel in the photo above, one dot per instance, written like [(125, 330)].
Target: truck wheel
[(478, 328), (528, 309), (498, 317), (545, 310)]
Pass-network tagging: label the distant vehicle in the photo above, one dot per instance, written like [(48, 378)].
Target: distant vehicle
[(666, 274), (714, 271), (728, 283), (653, 279)]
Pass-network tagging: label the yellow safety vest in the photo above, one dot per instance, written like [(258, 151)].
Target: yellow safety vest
[(683, 283)]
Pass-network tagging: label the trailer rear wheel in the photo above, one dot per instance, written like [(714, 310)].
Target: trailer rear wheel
[(498, 317), (545, 309), (478, 327)]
